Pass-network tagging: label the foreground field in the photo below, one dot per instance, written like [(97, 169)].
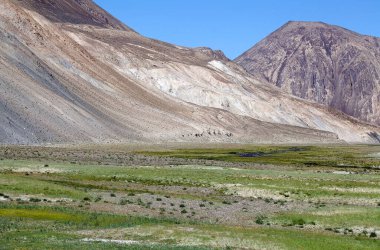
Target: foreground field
[(251, 197)]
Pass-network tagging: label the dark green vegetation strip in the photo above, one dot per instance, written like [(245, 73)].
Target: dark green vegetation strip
[(312, 156)]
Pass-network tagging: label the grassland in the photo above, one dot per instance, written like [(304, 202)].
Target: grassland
[(241, 197)]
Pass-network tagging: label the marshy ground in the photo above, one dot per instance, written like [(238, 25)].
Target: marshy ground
[(236, 197)]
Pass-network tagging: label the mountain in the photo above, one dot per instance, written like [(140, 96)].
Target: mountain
[(323, 63), (75, 12), (71, 73)]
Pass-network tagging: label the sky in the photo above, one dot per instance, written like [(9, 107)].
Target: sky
[(234, 26)]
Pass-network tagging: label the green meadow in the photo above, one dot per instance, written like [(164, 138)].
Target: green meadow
[(243, 197)]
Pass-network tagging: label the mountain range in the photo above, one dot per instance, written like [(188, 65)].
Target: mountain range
[(72, 73)]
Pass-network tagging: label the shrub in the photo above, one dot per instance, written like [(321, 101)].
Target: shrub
[(281, 202), (298, 221), (373, 235), (140, 202), (124, 202), (260, 220), (34, 200)]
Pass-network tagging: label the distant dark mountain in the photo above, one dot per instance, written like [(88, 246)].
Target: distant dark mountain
[(323, 63)]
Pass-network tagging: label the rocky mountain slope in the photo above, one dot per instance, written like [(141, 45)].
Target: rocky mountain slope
[(323, 63), (71, 73)]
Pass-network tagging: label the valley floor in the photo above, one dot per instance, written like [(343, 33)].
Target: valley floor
[(236, 197)]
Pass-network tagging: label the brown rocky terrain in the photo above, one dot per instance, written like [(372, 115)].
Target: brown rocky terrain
[(322, 63), (71, 73)]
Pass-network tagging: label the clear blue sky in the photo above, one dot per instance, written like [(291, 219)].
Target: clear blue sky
[(236, 25)]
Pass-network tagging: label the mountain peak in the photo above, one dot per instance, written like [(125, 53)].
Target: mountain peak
[(306, 23), (313, 26), (324, 63)]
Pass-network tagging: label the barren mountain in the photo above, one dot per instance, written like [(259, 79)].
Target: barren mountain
[(323, 63), (70, 72)]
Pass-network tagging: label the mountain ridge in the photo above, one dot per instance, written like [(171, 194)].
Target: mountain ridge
[(76, 12), (70, 82)]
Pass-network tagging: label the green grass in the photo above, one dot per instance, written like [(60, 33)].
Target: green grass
[(76, 218), (36, 227), (311, 156), (73, 181), (340, 216), (17, 184), (47, 228), (303, 177)]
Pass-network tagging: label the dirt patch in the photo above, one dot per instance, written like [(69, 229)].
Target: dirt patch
[(122, 242)]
